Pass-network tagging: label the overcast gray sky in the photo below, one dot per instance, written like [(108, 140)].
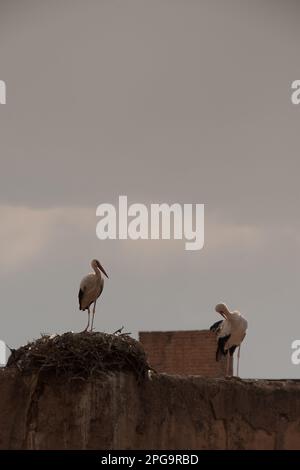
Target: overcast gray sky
[(162, 101)]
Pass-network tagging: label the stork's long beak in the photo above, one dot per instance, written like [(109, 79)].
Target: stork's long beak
[(102, 269), (221, 313)]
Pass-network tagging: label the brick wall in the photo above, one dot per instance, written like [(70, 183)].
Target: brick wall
[(183, 352)]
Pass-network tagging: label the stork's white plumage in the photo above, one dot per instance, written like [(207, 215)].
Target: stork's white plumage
[(91, 288), (230, 333)]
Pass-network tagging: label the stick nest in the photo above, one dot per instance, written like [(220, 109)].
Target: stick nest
[(82, 355)]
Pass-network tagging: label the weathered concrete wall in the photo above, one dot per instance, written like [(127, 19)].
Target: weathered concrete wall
[(167, 412)]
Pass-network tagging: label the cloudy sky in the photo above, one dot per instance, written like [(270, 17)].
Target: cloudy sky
[(162, 101)]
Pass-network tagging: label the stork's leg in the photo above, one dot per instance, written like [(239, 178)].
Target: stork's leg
[(227, 364), (94, 309), (238, 361), (87, 326)]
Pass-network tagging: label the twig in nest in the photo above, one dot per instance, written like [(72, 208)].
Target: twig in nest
[(119, 331)]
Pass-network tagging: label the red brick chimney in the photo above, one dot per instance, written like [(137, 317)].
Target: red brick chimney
[(183, 352)]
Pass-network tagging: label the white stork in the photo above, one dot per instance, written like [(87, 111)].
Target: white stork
[(91, 287), (230, 333)]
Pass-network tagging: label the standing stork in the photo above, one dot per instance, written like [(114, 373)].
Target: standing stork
[(91, 288), (230, 333)]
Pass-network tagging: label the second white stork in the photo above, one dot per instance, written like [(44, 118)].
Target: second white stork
[(230, 333), (91, 288)]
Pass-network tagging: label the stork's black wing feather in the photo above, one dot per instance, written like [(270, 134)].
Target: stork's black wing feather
[(80, 295), (221, 344), (216, 325)]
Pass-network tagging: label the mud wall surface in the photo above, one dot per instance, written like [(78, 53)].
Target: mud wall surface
[(167, 412)]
